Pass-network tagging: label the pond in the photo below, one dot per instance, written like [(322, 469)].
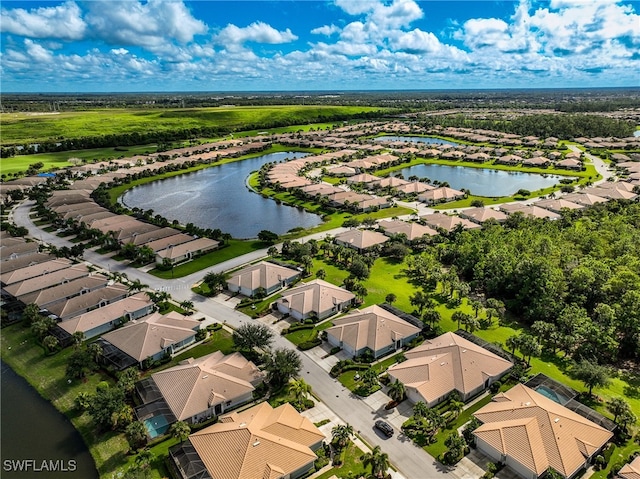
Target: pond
[(481, 181), (36, 438), (218, 197), (416, 139)]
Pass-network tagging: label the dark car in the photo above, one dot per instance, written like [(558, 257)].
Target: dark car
[(385, 428)]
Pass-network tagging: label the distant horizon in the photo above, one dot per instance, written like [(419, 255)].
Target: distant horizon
[(317, 92), (103, 46)]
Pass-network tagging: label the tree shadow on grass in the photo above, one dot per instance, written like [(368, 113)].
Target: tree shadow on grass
[(117, 460)]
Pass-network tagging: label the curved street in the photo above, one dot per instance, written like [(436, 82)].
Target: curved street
[(411, 461)]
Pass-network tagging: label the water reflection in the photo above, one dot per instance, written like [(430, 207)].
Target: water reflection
[(218, 197)]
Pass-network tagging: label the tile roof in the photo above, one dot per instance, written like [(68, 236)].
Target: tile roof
[(194, 246), (411, 230), (373, 327), (195, 385), (97, 317), (361, 239), (446, 363), (258, 443), (82, 284), (316, 296), (148, 336), (34, 270), (263, 274), (631, 470), (538, 432), (79, 304)]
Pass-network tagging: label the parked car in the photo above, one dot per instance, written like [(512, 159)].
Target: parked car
[(384, 427)]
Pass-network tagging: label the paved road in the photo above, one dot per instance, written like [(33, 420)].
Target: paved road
[(411, 461)]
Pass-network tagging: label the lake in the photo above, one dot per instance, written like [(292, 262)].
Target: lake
[(218, 197), (416, 139), (37, 438), (481, 181)]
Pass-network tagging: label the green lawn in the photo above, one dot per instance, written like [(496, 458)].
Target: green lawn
[(303, 335), (352, 465), (437, 448), (220, 340), (234, 249)]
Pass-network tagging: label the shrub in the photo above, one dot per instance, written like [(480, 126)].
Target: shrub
[(309, 344), (334, 350), (495, 387)]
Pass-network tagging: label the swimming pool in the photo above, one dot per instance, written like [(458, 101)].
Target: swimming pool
[(553, 395), (156, 426)]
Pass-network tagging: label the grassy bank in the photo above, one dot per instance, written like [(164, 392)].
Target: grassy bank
[(47, 375)]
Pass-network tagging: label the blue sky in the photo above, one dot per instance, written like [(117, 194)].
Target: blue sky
[(180, 45)]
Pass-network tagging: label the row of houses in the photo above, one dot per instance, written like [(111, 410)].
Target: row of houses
[(166, 243)]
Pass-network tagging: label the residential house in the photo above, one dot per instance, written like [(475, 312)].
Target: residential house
[(445, 364), (186, 251), (373, 329), (149, 338), (95, 299), (25, 261), (630, 470), (260, 442), (448, 222), (413, 231), (531, 433), (65, 290), (557, 205), (198, 389), (316, 299), (37, 269), (17, 249), (102, 320), (440, 195), (269, 276), (360, 240), (482, 214)]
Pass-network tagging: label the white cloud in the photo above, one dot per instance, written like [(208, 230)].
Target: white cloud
[(256, 32), (62, 21), (151, 25), (119, 51), (327, 30)]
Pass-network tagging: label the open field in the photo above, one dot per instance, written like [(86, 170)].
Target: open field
[(20, 128)]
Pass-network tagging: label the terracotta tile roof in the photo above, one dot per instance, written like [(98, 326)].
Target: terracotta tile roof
[(447, 222), (373, 327), (79, 304), (446, 363), (260, 442), (167, 241), (361, 239), (482, 214), (25, 261), (82, 284), (412, 230), (32, 271), (631, 470), (316, 296), (148, 336), (194, 246), (98, 317), (539, 432), (263, 274), (195, 385)]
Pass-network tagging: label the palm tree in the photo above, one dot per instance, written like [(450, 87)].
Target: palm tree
[(420, 409), (180, 430), (456, 407), (77, 338), (137, 285), (51, 343), (186, 305), (299, 389), (378, 460), (341, 434), (370, 378), (397, 391), (96, 351)]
